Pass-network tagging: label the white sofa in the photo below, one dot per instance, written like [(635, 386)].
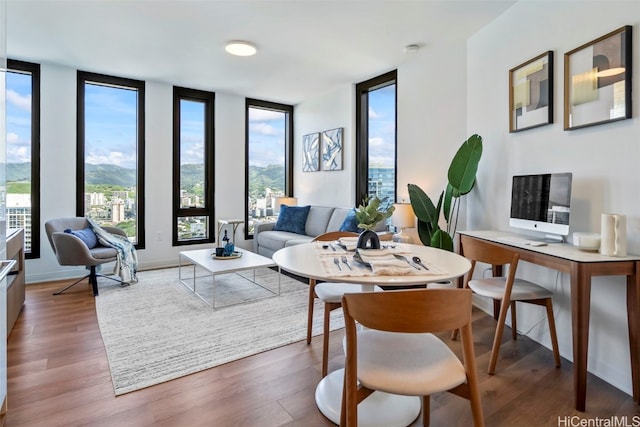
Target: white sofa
[(321, 219)]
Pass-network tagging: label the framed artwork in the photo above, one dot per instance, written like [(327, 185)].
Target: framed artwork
[(597, 81), (332, 150), (531, 93), (311, 152)]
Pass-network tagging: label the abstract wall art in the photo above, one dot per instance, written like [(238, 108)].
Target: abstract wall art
[(332, 149), (311, 152), (531, 93), (597, 81)]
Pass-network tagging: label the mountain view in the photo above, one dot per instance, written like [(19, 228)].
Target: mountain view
[(271, 176)]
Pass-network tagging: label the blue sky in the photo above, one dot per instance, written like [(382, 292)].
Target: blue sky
[(382, 127), (18, 112), (110, 126), (266, 136)]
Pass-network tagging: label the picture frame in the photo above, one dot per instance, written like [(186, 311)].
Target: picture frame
[(531, 93), (597, 81), (331, 144), (311, 152)]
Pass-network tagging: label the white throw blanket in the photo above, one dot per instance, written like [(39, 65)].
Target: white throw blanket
[(126, 258)]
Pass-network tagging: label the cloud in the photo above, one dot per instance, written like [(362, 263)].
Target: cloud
[(13, 138), (263, 129), (262, 115), (112, 158), (18, 154), (373, 114), (193, 153), (20, 101)]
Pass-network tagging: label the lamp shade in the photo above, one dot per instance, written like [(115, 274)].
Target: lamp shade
[(279, 201), (403, 216)]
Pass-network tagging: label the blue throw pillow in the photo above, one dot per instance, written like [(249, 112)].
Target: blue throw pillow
[(292, 219), (86, 235), (350, 222)]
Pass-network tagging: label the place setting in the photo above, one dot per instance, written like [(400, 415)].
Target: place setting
[(338, 260)]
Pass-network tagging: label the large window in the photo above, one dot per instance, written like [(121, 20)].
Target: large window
[(110, 167), (269, 170), (192, 166), (376, 138), (23, 152)]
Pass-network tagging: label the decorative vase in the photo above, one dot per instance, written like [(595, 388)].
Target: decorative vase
[(368, 240)]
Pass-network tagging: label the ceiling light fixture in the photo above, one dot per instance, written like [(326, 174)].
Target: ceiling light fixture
[(411, 48), (240, 48)]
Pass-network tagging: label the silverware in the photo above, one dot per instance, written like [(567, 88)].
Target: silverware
[(418, 261), (404, 258), (336, 261), (344, 259)]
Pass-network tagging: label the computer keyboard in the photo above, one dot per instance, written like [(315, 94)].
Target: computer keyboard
[(520, 241)]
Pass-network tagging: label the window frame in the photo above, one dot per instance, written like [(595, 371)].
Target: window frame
[(288, 151), (179, 94), (84, 77), (33, 69), (362, 132)]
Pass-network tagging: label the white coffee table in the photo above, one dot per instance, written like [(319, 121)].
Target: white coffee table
[(203, 258)]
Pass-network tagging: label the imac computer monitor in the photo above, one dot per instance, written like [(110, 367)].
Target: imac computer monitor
[(541, 203)]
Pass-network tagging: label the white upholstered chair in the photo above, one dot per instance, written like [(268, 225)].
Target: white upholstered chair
[(508, 290), (396, 352), (331, 295)]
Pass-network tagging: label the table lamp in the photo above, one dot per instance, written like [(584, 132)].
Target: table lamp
[(403, 217), (279, 201)]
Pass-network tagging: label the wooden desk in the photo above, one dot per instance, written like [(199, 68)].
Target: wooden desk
[(581, 267)]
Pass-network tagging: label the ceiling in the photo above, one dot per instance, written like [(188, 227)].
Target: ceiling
[(305, 47)]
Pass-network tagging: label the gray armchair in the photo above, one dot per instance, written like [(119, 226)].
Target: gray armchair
[(71, 250)]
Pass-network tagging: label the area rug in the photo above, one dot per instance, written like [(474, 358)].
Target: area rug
[(158, 330)]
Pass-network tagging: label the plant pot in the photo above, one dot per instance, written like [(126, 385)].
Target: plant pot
[(368, 240)]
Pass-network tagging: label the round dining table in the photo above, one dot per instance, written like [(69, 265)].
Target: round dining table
[(379, 409)]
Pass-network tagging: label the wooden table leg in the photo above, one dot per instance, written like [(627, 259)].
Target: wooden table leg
[(580, 304), (633, 316)]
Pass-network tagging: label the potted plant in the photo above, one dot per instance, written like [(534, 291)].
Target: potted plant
[(369, 214), (461, 179)]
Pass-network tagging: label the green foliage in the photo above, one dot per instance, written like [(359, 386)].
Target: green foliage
[(128, 227), (110, 174), (18, 187), (370, 213), (461, 180), (271, 176), (19, 172)]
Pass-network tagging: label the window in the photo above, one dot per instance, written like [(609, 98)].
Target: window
[(192, 166), (23, 152), (376, 138), (269, 169), (110, 165)]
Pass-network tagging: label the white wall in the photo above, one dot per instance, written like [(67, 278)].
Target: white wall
[(326, 188), (603, 159), (431, 127), (58, 179)]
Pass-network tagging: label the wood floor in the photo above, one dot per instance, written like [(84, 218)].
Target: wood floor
[(58, 375)]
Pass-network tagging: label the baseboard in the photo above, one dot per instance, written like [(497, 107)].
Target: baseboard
[(69, 273)]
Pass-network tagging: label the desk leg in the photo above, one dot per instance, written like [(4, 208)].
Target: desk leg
[(633, 314), (580, 303)]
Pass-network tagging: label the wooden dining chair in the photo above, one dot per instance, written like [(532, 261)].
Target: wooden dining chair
[(395, 351), (507, 290), (330, 294)]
